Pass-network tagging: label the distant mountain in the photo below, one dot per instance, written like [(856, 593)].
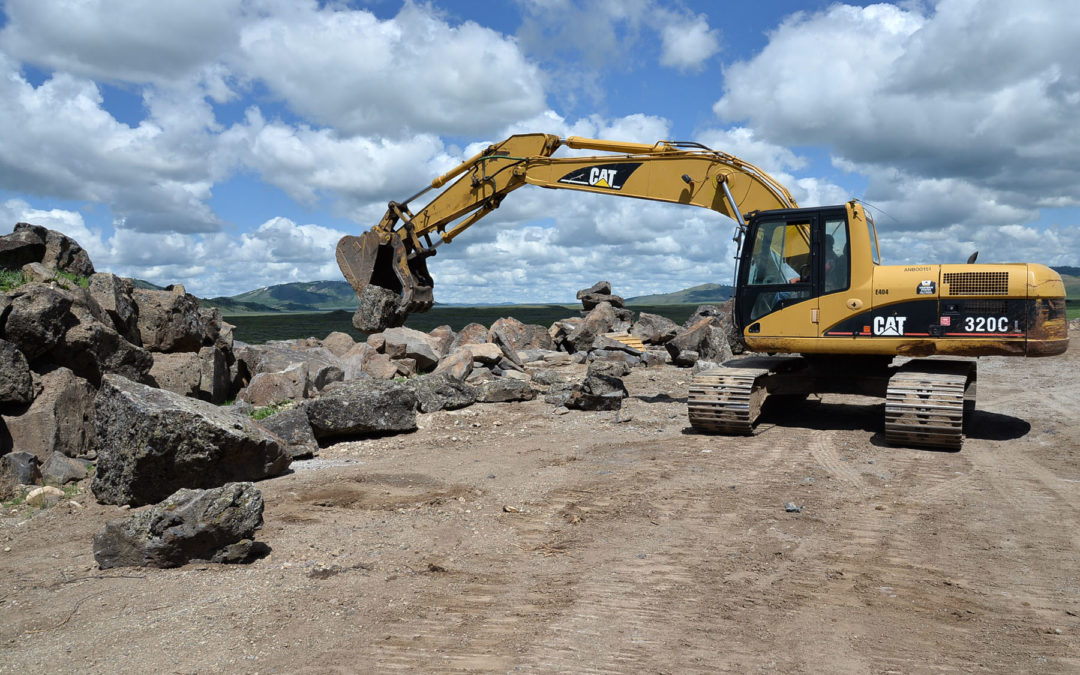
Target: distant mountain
[(327, 296), (703, 294), (311, 296), (1066, 269)]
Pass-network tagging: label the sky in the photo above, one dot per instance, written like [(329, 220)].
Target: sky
[(227, 145)]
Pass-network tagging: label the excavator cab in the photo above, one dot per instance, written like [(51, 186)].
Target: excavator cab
[(791, 257)]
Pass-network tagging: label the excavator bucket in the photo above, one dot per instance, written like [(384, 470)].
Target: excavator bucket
[(390, 280)]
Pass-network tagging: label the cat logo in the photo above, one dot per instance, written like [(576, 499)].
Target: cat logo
[(889, 325), (607, 176)]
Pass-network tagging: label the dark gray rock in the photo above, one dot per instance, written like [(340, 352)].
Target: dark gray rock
[(598, 392), (598, 322), (602, 287), (16, 383), (37, 318), (609, 368), (590, 300), (20, 468), (215, 383), (406, 343), (178, 372), (188, 525), (60, 420), (153, 442), (702, 340), (654, 329), (21, 247), (169, 321), (520, 336), (472, 334), (91, 347), (293, 427), (115, 295), (60, 469), (359, 407), (458, 364), (441, 392), (61, 251), (504, 390), (379, 309)]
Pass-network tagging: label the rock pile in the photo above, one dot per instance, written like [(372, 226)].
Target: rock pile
[(100, 377)]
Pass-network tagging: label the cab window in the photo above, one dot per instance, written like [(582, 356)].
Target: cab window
[(837, 255), (781, 254)]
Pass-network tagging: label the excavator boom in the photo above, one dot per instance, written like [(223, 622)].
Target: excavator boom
[(387, 265)]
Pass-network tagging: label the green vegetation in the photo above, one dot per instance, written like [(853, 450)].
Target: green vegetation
[(11, 279), (81, 282), (272, 409)]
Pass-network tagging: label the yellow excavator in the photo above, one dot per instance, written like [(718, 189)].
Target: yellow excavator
[(812, 298)]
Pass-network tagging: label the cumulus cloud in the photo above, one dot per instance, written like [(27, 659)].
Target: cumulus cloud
[(980, 93), (686, 45), (349, 70)]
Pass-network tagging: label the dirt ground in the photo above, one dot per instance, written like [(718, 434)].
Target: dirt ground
[(504, 537)]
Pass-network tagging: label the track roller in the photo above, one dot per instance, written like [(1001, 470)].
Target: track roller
[(727, 400)]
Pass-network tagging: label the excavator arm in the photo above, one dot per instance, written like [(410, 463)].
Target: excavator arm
[(387, 265)]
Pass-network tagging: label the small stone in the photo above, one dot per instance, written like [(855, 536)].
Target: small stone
[(790, 507), (44, 496)]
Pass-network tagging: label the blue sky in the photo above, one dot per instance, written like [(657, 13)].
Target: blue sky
[(228, 145)]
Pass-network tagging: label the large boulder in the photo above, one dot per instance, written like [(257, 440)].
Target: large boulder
[(321, 367), (458, 364), (216, 525), (504, 390), (520, 336), (363, 360), (598, 392), (115, 295), (169, 321), (654, 329), (441, 392), (290, 384), (178, 372), (471, 334), (215, 381), (293, 427), (406, 343), (153, 442), (59, 420), (363, 407), (338, 343), (91, 346), (61, 251), (702, 340), (60, 469), (599, 321), (37, 318), (379, 309), (16, 384), (441, 338), (18, 468), (21, 247)]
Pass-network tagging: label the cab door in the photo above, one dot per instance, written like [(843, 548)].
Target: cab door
[(778, 273)]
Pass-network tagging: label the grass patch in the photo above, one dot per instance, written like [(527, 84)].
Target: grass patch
[(11, 279), (81, 282), (268, 410)]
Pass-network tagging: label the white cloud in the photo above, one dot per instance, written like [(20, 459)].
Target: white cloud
[(980, 93), (125, 40), (349, 70), (688, 45)]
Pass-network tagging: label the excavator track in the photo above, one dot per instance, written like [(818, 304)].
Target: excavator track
[(926, 407), (726, 400)]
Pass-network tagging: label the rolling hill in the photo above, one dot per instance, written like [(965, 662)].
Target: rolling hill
[(703, 294)]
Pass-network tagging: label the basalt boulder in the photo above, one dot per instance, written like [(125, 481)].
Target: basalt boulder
[(216, 525), (153, 442)]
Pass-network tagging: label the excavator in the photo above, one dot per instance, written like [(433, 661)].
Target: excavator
[(813, 301)]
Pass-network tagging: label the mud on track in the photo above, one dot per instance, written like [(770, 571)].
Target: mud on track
[(504, 537)]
